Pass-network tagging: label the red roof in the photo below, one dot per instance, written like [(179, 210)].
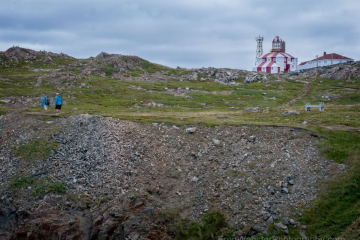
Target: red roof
[(328, 56), (277, 39)]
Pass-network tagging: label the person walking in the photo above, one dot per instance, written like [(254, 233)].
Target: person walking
[(58, 102), (45, 102)]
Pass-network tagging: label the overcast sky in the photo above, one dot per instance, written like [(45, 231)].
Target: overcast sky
[(185, 33)]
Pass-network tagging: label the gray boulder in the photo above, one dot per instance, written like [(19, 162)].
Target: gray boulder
[(252, 77), (191, 130), (217, 142), (194, 76), (291, 112)]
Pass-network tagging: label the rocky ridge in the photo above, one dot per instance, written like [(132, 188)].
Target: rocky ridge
[(18, 54), (126, 67), (343, 71)]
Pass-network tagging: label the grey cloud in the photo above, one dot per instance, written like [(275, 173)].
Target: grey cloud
[(182, 33)]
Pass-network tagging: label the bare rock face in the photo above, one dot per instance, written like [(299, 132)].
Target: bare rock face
[(252, 77), (102, 55), (54, 225), (255, 77), (19, 54), (121, 220)]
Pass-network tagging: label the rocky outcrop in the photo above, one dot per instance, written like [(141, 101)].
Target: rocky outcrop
[(343, 71), (19, 54), (220, 75), (119, 220)]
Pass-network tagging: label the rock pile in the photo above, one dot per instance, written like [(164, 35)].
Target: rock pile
[(343, 71), (255, 77), (221, 75), (253, 175)]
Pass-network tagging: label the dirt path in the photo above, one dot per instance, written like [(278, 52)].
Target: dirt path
[(307, 90)]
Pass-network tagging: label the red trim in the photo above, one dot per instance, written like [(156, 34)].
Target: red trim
[(265, 56), (287, 67), (260, 66), (268, 67), (270, 64)]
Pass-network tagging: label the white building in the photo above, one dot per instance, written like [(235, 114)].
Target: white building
[(277, 60), (325, 60)]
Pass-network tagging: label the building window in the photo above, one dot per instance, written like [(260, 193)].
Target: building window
[(272, 68), (269, 59), (263, 69)]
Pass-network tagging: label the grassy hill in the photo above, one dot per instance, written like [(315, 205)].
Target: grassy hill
[(131, 88)]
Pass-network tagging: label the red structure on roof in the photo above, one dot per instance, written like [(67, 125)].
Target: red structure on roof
[(277, 39)]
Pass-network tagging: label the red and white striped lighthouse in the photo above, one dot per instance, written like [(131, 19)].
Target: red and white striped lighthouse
[(277, 60)]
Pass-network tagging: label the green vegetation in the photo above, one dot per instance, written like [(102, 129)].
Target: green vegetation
[(212, 225), (152, 67), (41, 185), (36, 149), (109, 69), (135, 72), (209, 103), (338, 205), (57, 187), (23, 182)]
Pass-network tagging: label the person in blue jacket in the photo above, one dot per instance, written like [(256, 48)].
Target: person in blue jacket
[(45, 102), (58, 102)]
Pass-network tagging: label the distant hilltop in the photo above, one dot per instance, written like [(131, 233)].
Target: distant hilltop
[(19, 54), (130, 68)]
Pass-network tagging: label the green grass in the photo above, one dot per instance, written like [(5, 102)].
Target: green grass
[(35, 150), (40, 185), (57, 187), (109, 69), (153, 67), (22, 182), (213, 223), (209, 227), (338, 205), (331, 213), (339, 146)]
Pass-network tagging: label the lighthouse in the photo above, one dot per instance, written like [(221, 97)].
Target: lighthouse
[(276, 61)]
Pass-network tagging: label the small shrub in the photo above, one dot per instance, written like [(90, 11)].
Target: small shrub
[(57, 187), (23, 182), (39, 191), (37, 149), (210, 226)]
